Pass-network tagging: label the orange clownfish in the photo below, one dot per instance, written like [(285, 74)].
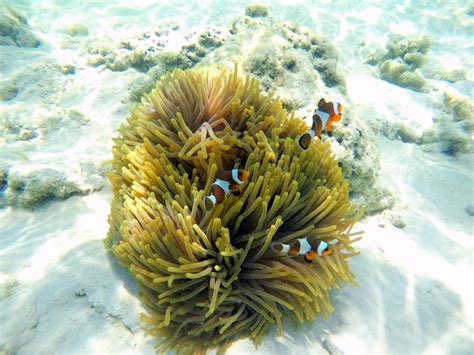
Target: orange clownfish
[(323, 117), (221, 187), (302, 247)]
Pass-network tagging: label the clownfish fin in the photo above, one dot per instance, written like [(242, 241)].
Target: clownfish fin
[(326, 252), (334, 115), (321, 103), (280, 247), (304, 141), (235, 189), (209, 202), (243, 175), (337, 107), (309, 256), (237, 177)]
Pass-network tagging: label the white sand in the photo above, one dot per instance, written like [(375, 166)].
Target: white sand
[(61, 293)]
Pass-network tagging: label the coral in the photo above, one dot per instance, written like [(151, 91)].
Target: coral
[(402, 57), (14, 29), (256, 10), (289, 61), (462, 108), (451, 76), (410, 49), (76, 30), (447, 137), (264, 63), (356, 152), (208, 278), (452, 128), (146, 50), (454, 142), (167, 61), (212, 38), (405, 133), (28, 186), (323, 54), (398, 73), (27, 178), (32, 78)]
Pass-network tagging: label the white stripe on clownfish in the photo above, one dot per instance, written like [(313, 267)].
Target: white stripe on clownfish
[(224, 185), (324, 116), (304, 245), (235, 176), (322, 247)]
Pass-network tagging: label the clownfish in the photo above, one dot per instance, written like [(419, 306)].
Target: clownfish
[(302, 247), (231, 182), (323, 117)]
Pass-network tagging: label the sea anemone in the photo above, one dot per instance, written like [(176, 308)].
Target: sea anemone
[(210, 277)]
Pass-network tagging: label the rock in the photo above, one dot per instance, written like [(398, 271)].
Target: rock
[(14, 29), (29, 186), (469, 210), (8, 90)]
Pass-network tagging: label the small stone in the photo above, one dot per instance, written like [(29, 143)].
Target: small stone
[(469, 210), (8, 91), (331, 348), (95, 60), (68, 69), (81, 293), (397, 222)]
